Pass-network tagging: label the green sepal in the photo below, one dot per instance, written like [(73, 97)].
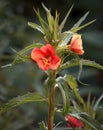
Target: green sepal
[(19, 100), (88, 120)]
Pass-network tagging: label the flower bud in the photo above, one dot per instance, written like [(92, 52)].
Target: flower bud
[(76, 44)]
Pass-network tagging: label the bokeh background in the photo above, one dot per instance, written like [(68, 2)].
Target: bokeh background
[(26, 77)]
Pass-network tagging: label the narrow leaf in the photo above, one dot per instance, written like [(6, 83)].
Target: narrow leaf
[(66, 38), (83, 26), (88, 119), (71, 81), (65, 19), (80, 21), (20, 57), (76, 62), (34, 45), (29, 97), (46, 9), (65, 94), (36, 26), (42, 126), (42, 22), (4, 66), (97, 102), (49, 18)]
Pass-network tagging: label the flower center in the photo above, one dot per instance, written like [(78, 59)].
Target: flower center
[(46, 60)]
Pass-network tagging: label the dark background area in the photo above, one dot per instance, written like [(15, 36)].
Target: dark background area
[(25, 77)]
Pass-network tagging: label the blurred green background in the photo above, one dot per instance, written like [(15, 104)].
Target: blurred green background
[(26, 77)]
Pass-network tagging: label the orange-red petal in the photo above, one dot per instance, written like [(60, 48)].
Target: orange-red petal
[(46, 57)]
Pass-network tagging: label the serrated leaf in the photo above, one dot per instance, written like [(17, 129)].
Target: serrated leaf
[(76, 62), (71, 81), (80, 21), (36, 26), (34, 45), (29, 97), (20, 57), (88, 120), (65, 19)]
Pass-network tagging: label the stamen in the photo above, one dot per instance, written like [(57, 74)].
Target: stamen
[(46, 61)]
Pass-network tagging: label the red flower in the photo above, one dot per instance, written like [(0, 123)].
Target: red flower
[(74, 122), (46, 57), (76, 44)]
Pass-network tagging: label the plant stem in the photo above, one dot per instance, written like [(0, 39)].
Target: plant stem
[(51, 103)]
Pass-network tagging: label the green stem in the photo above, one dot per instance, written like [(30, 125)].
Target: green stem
[(51, 103)]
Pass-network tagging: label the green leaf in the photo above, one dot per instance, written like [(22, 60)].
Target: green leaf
[(36, 26), (29, 97), (49, 18), (65, 19), (65, 94), (71, 81), (42, 22), (4, 66), (32, 46), (77, 62), (88, 120), (66, 38), (46, 9), (42, 126), (53, 26), (80, 21), (20, 57), (97, 102), (83, 26)]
